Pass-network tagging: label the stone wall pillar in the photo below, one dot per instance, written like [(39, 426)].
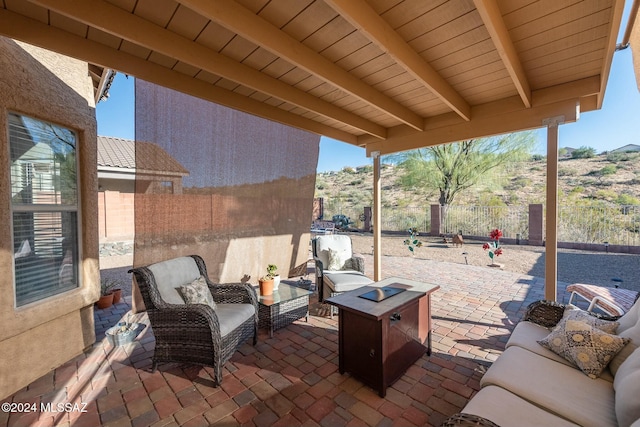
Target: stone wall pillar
[(435, 220), (536, 225)]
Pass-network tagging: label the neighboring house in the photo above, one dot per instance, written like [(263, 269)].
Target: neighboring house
[(626, 148), (568, 152), (157, 172)]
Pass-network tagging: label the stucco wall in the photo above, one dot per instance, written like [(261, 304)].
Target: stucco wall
[(40, 336), (247, 200)]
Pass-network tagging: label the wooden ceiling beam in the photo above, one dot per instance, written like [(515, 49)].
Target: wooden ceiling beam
[(248, 25), (367, 21), (493, 22), (120, 23), (19, 27), (481, 126), (583, 89)]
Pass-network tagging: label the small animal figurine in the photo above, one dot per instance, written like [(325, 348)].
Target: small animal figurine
[(457, 240)]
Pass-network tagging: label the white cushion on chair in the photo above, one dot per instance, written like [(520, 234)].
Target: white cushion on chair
[(338, 242), (343, 281)]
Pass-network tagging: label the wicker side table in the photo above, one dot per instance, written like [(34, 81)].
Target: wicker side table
[(284, 307)]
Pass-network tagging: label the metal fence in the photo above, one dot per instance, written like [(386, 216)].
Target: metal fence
[(617, 225), (479, 220), (401, 219)]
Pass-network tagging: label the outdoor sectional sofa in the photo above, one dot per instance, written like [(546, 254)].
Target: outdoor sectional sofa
[(531, 385)]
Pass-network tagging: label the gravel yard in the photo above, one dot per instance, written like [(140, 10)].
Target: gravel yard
[(574, 266)]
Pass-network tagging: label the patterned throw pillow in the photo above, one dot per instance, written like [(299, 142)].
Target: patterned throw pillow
[(572, 312), (589, 348), (197, 292)]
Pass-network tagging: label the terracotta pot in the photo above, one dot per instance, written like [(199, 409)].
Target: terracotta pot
[(117, 295), (266, 287), (105, 301)]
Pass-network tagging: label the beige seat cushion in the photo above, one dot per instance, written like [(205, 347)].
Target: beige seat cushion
[(508, 410), (561, 389), (230, 316), (343, 281)]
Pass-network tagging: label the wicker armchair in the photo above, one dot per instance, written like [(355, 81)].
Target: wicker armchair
[(195, 333)]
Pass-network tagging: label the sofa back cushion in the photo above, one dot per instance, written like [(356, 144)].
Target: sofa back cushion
[(633, 334), (627, 387), (173, 273), (630, 318), (340, 243)]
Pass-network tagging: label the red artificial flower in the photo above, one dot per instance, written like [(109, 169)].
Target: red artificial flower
[(485, 246), (498, 251), (495, 234)]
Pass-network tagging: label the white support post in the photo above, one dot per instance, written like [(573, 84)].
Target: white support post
[(551, 233), (377, 218)]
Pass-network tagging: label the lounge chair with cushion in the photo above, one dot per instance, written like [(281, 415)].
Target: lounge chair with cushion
[(337, 268), (194, 320)]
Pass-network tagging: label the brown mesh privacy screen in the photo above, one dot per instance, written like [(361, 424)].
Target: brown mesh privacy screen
[(231, 187)]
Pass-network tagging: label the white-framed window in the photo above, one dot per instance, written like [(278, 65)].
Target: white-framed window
[(44, 208)]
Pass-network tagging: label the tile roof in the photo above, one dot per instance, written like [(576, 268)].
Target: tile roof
[(121, 153)]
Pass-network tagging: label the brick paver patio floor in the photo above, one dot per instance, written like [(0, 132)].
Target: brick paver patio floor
[(292, 379)]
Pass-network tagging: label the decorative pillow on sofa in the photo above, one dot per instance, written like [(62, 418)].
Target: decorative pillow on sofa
[(588, 347), (572, 312), (197, 292)]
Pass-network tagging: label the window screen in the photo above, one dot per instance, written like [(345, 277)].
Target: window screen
[(44, 204)]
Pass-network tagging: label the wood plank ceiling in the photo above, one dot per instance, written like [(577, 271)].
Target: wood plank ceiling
[(389, 75)]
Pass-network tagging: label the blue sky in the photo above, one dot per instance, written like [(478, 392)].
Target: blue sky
[(615, 125)]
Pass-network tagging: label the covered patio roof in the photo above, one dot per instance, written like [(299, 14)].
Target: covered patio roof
[(387, 75)]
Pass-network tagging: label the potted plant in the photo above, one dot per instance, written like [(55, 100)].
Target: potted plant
[(116, 290), (266, 281), (106, 294), (272, 269)]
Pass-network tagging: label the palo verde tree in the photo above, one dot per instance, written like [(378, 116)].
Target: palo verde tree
[(453, 168)]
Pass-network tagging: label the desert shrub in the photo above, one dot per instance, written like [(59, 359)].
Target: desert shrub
[(625, 199), (608, 195), (348, 169), (566, 172), (608, 170), (615, 157), (583, 153), (538, 157), (356, 182), (577, 190)]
